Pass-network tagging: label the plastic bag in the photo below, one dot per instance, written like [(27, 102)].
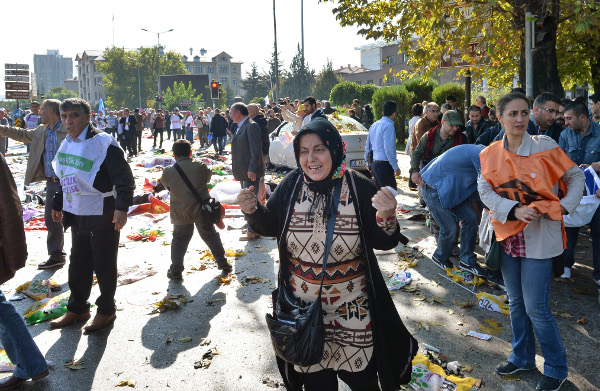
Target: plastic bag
[(38, 289), (226, 192), (493, 303), (50, 309), (398, 280)]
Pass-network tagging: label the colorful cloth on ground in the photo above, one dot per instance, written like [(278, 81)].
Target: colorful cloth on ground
[(348, 339), (529, 180)]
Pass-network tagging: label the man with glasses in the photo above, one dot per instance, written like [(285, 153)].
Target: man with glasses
[(425, 124)]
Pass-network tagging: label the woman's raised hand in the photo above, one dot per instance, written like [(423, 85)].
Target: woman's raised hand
[(385, 203)]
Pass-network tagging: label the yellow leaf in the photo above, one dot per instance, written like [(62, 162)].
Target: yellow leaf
[(128, 382)]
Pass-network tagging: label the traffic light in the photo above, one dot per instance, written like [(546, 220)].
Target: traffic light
[(214, 90), (543, 29), (159, 98)]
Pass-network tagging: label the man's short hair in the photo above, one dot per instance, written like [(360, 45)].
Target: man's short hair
[(53, 105), (389, 108), (446, 106), (595, 97), (136, 110), (481, 98), (35, 102), (578, 108), (546, 97), (182, 148), (518, 90), (327, 103), (474, 108), (451, 98), (217, 111), (76, 104), (429, 105), (240, 108), (311, 101)]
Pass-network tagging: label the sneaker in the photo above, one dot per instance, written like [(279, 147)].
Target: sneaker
[(174, 275), (226, 269), (475, 269), (548, 383), (567, 273), (496, 280), (585, 232), (508, 368), (443, 264), (50, 263)]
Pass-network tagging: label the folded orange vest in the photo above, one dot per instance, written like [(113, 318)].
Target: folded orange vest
[(526, 179)]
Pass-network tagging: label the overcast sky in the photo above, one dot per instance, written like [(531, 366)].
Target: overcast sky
[(242, 28)]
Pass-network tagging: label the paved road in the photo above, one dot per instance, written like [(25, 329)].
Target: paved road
[(232, 318)]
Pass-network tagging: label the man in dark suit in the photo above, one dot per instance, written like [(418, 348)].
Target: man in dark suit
[(246, 153), (218, 129), (129, 123)]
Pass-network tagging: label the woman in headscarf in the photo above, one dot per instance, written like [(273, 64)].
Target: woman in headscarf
[(528, 183), (365, 340)]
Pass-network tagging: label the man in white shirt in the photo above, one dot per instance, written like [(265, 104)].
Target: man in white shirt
[(176, 123)]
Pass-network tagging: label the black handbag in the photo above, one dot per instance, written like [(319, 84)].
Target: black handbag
[(492, 259), (211, 208), (297, 330)]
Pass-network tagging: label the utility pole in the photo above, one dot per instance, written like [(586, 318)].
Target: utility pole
[(159, 48), (528, 53), (302, 25), (467, 93), (276, 61)]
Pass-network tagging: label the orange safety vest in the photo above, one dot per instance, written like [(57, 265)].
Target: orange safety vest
[(528, 180)]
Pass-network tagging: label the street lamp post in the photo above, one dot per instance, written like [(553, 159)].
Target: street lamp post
[(159, 54)]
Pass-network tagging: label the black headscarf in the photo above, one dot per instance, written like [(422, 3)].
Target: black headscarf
[(337, 148)]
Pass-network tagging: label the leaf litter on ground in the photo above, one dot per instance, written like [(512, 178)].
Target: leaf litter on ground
[(76, 364)]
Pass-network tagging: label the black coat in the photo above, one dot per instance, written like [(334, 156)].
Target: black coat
[(218, 126), (114, 171), (264, 133), (473, 134), (318, 114), (394, 346), (132, 123)]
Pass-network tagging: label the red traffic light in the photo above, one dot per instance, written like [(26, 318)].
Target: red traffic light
[(214, 84)]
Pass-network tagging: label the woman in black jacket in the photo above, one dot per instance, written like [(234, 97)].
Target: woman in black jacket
[(365, 340)]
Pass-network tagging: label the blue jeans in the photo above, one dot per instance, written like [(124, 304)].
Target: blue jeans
[(18, 343), (219, 143), (527, 283), (383, 173), (176, 134), (446, 219), (189, 134), (573, 234), (246, 185)]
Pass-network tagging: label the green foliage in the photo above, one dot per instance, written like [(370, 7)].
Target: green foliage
[(120, 70), (345, 92), (299, 79), (421, 88), (325, 81), (255, 84), (491, 95), (61, 93), (179, 92), (402, 98), (440, 93), (259, 100)]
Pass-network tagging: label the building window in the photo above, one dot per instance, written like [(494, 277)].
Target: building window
[(389, 60), (88, 82), (87, 67), (95, 82), (223, 58), (89, 97), (233, 69), (359, 82), (187, 68), (100, 95), (95, 95), (224, 69), (210, 69), (197, 68), (223, 81), (369, 81), (235, 82)]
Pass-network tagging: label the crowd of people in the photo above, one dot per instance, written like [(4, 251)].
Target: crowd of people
[(514, 169)]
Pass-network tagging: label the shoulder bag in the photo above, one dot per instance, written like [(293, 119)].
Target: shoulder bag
[(211, 208), (297, 330)]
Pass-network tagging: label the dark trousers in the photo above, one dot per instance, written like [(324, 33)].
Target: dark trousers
[(219, 143), (93, 252), (327, 379), (176, 134), (56, 237), (182, 234), (168, 132), (132, 137), (157, 132), (383, 174)]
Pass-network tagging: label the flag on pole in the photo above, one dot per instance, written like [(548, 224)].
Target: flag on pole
[(101, 106), (267, 99)]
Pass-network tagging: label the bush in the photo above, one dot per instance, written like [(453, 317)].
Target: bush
[(402, 98), (345, 92), (440, 93), (421, 89), (259, 100)]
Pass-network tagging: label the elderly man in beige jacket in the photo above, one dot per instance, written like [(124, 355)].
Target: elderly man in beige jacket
[(45, 140)]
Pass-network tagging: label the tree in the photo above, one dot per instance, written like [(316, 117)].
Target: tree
[(402, 99), (299, 79), (178, 93), (61, 93), (325, 81), (255, 84), (497, 25), (421, 88), (345, 92), (120, 70), (275, 67)]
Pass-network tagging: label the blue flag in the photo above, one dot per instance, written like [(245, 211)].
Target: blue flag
[(101, 106)]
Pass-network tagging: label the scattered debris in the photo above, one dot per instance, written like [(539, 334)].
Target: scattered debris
[(128, 382), (271, 383), (75, 365), (206, 358), (477, 335)]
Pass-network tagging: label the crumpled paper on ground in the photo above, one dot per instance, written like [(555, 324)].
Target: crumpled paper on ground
[(38, 289), (427, 376), (133, 274)]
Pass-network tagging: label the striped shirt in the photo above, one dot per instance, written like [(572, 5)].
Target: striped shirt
[(50, 148)]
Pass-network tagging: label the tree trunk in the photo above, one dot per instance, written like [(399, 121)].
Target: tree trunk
[(545, 64)]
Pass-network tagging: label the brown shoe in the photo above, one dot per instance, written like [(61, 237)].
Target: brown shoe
[(68, 318), (13, 382), (100, 321), (250, 236)]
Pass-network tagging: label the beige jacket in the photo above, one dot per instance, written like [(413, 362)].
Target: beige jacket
[(37, 138), (543, 236), (184, 206), (294, 118)]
